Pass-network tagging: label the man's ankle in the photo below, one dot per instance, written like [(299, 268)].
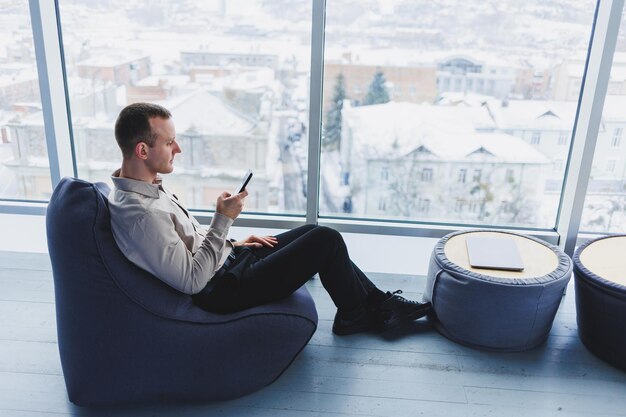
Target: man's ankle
[(350, 321), (351, 313), (375, 298)]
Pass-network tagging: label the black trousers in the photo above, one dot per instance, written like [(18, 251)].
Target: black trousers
[(262, 275)]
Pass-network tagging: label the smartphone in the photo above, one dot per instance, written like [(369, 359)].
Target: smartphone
[(246, 180)]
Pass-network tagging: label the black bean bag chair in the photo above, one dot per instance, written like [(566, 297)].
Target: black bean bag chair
[(125, 336)]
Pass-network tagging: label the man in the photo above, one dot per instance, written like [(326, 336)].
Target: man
[(158, 234)]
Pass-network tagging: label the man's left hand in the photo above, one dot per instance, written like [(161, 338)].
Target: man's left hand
[(258, 241)]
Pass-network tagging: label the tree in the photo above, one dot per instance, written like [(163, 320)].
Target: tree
[(406, 189), (377, 92), (602, 213), (483, 192), (332, 130)]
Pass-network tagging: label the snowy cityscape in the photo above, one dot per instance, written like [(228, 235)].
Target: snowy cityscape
[(438, 111)]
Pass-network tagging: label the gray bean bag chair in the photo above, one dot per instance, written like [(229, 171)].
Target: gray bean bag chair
[(601, 303), (124, 336), (493, 313)]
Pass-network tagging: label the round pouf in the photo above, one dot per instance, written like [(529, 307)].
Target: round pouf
[(496, 309), (600, 279)]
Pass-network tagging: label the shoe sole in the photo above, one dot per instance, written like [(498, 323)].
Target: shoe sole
[(398, 320)]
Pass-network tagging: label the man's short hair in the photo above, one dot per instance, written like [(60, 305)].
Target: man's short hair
[(133, 125)]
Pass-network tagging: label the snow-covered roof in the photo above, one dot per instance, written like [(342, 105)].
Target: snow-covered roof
[(388, 57), (13, 67), (394, 130), (18, 75), (618, 73), (32, 119), (206, 114), (405, 124), (251, 78), (403, 57), (498, 147), (281, 48), (112, 59), (170, 80), (466, 99), (475, 56), (619, 57), (506, 148), (85, 86), (577, 69), (614, 106), (535, 114)]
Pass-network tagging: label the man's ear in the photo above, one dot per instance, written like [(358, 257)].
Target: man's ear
[(141, 150)]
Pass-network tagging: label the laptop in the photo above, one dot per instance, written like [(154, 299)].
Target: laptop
[(494, 253)]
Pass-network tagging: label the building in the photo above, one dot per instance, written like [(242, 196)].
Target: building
[(413, 83), (207, 57), (569, 76), (532, 82), (398, 158), (122, 69), (605, 204), (18, 83), (546, 125), (155, 88), (472, 72), (29, 164), (217, 140)]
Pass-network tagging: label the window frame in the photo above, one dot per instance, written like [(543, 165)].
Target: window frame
[(47, 34)]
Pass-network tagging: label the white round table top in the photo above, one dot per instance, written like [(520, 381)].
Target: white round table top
[(539, 260), (606, 258)]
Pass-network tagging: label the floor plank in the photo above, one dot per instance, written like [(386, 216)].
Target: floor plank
[(24, 260), (410, 372)]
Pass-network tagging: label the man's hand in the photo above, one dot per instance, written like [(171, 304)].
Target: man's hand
[(230, 205), (258, 241)]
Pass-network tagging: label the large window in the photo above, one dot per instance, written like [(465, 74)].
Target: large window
[(235, 75), (434, 112), (605, 203), (24, 166), (456, 88)]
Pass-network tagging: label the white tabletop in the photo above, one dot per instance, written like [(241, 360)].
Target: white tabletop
[(606, 258), (539, 260)]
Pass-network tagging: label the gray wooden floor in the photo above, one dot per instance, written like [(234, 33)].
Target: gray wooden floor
[(404, 373)]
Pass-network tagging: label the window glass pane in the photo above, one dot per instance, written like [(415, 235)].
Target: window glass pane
[(605, 204), (234, 74), (24, 165), (467, 106)]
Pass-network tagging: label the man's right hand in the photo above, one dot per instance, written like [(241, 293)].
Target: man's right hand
[(231, 205)]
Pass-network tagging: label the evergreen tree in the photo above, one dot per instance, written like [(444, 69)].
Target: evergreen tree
[(332, 130), (377, 92)]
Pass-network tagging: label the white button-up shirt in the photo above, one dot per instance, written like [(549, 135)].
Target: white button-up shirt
[(158, 234)]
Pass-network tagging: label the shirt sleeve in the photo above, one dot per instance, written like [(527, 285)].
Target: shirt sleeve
[(157, 248)]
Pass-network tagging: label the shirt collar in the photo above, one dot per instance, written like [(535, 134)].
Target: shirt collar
[(136, 186)]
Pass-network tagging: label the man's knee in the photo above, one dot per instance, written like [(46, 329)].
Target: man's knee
[(308, 227), (322, 233), (329, 233)]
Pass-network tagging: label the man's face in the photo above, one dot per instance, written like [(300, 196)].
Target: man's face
[(160, 158)]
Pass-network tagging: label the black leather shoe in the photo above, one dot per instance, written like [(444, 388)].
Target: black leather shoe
[(355, 321), (396, 310)]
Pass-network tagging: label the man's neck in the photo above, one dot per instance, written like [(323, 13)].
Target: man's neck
[(134, 172)]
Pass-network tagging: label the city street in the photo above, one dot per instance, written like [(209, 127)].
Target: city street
[(293, 160)]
